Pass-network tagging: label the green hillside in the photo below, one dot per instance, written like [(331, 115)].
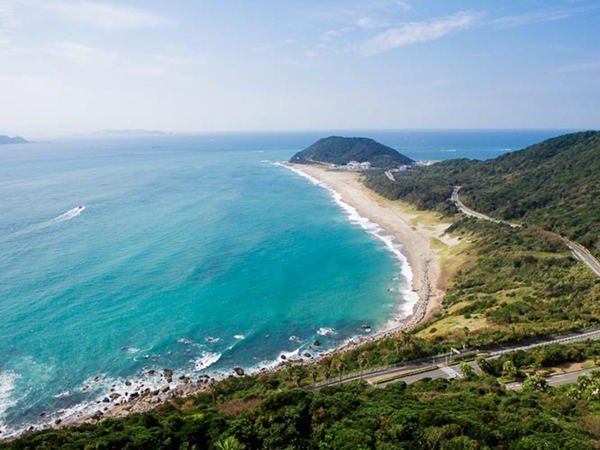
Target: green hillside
[(554, 184), (341, 150)]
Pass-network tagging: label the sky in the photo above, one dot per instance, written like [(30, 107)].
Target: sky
[(185, 66)]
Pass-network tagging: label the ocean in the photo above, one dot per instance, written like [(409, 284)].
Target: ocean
[(196, 253)]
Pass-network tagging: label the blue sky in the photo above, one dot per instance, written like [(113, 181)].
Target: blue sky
[(192, 66)]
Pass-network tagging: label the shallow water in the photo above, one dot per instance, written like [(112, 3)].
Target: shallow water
[(195, 253)]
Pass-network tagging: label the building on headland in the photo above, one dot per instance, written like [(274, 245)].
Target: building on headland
[(355, 165)]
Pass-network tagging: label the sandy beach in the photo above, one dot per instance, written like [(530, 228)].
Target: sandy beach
[(402, 222)]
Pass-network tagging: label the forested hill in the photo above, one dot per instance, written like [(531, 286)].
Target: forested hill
[(341, 150), (554, 184), (13, 140)]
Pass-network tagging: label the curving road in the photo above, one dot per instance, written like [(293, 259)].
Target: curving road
[(584, 256), (577, 250)]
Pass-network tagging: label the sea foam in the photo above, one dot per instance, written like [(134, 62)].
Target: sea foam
[(409, 296), (206, 360)]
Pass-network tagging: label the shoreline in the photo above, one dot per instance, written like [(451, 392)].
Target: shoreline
[(396, 227), (400, 223)]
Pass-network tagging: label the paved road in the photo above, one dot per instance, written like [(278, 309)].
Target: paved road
[(584, 256), (469, 212), (450, 371), (578, 251), (556, 380)]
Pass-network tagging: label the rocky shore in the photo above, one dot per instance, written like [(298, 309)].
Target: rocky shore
[(398, 222)]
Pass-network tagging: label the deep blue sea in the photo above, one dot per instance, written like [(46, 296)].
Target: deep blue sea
[(194, 253)]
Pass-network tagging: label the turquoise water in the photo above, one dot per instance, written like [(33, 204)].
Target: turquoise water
[(195, 253)]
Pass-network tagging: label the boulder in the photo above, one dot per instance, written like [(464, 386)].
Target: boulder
[(239, 371)]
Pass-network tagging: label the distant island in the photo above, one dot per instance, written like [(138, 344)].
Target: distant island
[(343, 150), (14, 140), (125, 133)]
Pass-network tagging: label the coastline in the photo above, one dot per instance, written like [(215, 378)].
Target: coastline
[(400, 229), (399, 221)]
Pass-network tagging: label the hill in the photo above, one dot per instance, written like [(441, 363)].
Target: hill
[(342, 150), (553, 184), (13, 140)]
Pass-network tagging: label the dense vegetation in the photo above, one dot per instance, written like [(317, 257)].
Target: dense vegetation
[(472, 413), (553, 184), (340, 150), (522, 283), (513, 284)]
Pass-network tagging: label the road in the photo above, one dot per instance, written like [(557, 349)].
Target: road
[(469, 212), (449, 371), (577, 250), (556, 380), (584, 256), (443, 370)]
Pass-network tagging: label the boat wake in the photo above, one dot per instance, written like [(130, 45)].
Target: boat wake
[(72, 213), (67, 216)]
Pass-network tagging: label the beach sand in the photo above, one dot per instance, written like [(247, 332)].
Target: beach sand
[(406, 225)]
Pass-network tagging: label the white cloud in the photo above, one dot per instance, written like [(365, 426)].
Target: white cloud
[(402, 4), (174, 60), (368, 23), (8, 22), (415, 32), (82, 53), (104, 16), (531, 18)]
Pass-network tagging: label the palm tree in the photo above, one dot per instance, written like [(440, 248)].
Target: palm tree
[(362, 360), (338, 363), (509, 369), (326, 373), (290, 371), (229, 443), (313, 372), (406, 337)]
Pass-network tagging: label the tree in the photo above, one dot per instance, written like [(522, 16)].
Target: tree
[(509, 369), (535, 383), (362, 360), (229, 443), (339, 365), (289, 368), (483, 364), (466, 370), (326, 373), (313, 372)]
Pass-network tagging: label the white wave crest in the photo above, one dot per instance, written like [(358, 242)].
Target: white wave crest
[(409, 296), (206, 360), (325, 331), (7, 384), (239, 337)]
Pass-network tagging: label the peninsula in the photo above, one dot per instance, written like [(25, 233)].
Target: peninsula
[(342, 150), (5, 140)]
